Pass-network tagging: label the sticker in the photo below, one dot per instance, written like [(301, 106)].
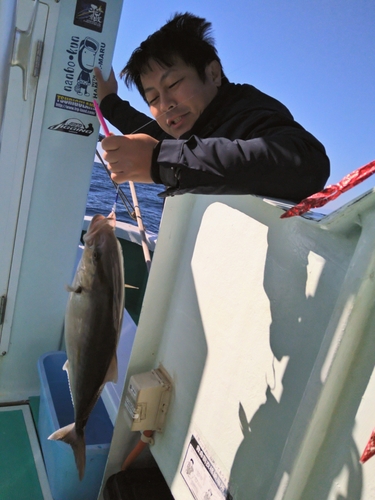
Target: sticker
[(133, 391), (73, 104), (73, 126), (203, 478), (83, 54), (90, 14), (130, 407)]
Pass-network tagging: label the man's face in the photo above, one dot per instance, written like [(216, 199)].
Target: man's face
[(177, 96)]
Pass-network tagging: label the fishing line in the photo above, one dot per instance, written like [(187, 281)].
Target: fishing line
[(115, 203), (128, 206), (119, 192), (137, 212)]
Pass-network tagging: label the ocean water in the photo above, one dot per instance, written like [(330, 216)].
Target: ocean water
[(102, 196)]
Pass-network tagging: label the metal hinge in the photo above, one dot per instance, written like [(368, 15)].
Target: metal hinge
[(3, 304), (22, 49)]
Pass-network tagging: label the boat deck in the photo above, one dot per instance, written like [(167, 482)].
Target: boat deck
[(22, 473)]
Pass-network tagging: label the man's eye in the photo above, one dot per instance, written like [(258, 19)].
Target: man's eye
[(175, 83), (152, 101)]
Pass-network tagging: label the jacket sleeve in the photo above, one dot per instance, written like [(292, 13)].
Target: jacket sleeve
[(127, 119), (287, 163)]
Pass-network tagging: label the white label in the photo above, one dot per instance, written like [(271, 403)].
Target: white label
[(131, 410), (133, 391), (205, 482)]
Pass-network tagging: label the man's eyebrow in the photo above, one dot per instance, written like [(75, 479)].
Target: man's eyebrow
[(163, 77)]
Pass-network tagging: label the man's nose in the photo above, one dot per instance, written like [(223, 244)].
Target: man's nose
[(167, 103)]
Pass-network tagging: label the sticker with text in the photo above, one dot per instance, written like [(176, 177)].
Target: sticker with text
[(74, 104), (83, 54), (73, 126), (203, 478), (90, 14)]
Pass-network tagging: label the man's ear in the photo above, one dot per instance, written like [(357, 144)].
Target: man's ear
[(213, 72)]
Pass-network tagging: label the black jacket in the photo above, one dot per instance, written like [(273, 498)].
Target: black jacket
[(245, 142)]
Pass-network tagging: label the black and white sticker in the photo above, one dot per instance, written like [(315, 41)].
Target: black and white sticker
[(202, 476), (73, 126), (82, 55)]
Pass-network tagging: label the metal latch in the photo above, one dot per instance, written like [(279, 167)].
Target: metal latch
[(3, 303)]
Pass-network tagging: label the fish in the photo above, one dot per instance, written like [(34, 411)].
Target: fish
[(92, 327)]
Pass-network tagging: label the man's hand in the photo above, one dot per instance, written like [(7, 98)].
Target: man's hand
[(105, 87), (129, 157)]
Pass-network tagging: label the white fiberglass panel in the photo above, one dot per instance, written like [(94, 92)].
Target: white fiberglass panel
[(250, 315)]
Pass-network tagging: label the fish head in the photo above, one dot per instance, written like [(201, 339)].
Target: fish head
[(98, 239), (102, 254), (98, 225)]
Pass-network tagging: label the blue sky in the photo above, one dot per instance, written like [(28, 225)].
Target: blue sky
[(315, 56)]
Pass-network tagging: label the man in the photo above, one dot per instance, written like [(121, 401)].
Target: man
[(210, 135)]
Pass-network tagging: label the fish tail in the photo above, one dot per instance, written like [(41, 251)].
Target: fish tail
[(76, 439)]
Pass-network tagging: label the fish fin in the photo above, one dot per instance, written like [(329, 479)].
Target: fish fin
[(112, 372), (69, 435), (77, 289)]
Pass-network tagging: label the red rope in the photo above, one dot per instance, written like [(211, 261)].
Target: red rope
[(331, 192), (320, 199), (369, 450)]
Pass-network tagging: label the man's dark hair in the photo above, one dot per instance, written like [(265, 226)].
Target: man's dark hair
[(185, 36)]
